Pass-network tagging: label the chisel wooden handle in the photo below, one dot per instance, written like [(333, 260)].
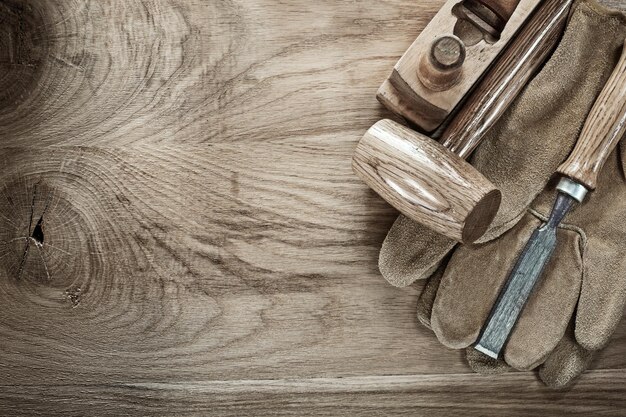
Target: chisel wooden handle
[(507, 78), (605, 126)]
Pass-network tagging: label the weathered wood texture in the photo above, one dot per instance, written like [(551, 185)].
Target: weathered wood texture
[(205, 247)]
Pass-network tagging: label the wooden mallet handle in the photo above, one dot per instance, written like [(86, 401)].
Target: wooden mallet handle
[(605, 126), (507, 78)]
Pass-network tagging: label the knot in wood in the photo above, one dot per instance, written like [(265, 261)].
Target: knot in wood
[(44, 236)]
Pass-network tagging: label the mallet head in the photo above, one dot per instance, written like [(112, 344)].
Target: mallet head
[(426, 182)]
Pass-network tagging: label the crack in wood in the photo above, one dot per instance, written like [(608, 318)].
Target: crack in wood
[(35, 234)]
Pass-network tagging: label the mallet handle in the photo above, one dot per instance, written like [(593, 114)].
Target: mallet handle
[(507, 78)]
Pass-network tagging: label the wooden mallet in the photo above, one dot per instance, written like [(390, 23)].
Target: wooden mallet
[(431, 182)]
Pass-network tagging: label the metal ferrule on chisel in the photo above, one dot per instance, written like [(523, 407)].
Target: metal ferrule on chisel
[(572, 188)]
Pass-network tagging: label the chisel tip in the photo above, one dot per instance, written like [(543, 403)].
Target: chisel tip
[(486, 351)]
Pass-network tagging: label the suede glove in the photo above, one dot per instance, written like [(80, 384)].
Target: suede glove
[(584, 283), (520, 156)]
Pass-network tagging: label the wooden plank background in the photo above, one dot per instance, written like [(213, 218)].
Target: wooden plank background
[(206, 247)]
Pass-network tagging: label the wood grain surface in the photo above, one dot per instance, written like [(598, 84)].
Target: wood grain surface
[(181, 232)]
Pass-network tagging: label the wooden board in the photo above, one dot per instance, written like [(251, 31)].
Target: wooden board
[(206, 247)]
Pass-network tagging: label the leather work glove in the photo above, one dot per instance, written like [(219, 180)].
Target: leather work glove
[(585, 279)]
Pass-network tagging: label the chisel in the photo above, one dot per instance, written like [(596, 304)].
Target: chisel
[(603, 129)]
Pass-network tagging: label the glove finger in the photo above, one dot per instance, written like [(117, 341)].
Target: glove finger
[(550, 308), (483, 364), (566, 363), (603, 293), (471, 284), (429, 292), (411, 252)]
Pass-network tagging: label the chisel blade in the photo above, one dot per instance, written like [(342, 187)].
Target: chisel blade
[(516, 291), (522, 279)]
